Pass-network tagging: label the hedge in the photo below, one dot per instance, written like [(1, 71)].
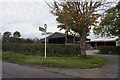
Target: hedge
[(38, 49), (110, 50)]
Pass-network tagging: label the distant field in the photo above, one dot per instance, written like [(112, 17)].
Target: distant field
[(60, 62)]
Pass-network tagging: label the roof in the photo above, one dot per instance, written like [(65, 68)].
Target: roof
[(56, 35), (103, 41)]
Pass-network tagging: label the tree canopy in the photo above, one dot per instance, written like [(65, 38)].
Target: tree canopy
[(16, 34), (110, 23), (7, 34), (77, 17)]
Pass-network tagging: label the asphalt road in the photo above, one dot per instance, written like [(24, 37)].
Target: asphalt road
[(111, 67), (109, 70), (10, 70)]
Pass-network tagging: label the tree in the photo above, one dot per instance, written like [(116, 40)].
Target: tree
[(78, 17), (16, 34), (110, 23), (6, 36)]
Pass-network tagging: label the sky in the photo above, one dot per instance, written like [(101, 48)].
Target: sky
[(26, 16)]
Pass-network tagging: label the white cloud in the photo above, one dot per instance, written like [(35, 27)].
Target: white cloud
[(26, 16)]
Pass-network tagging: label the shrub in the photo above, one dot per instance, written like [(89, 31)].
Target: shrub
[(110, 50), (58, 50)]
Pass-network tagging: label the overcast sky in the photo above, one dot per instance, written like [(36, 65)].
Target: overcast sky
[(26, 16)]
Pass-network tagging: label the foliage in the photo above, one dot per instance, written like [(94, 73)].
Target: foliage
[(110, 24), (59, 62), (77, 17), (38, 49), (16, 34), (110, 50), (6, 36), (72, 15)]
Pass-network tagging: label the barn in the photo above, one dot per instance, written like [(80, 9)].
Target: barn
[(60, 38)]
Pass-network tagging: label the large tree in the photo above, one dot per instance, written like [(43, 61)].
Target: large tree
[(77, 17), (110, 23)]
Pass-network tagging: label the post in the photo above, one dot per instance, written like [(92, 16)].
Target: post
[(45, 44), (45, 33), (45, 37), (74, 39)]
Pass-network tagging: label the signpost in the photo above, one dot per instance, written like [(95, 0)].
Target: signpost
[(42, 29), (45, 33)]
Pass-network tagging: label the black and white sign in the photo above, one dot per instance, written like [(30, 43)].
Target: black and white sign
[(47, 33), (42, 29)]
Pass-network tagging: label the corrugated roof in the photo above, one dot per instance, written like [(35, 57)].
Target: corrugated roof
[(56, 35), (103, 41)]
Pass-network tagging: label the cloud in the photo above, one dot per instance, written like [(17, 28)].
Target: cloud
[(26, 17)]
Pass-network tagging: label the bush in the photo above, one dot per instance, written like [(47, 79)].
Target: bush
[(58, 50), (110, 50)]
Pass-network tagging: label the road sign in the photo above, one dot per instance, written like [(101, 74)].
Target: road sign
[(42, 29), (47, 33)]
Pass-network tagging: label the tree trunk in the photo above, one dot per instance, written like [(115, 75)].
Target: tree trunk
[(74, 39), (66, 39), (83, 44)]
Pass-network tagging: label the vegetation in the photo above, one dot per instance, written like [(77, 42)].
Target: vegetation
[(77, 17), (38, 49), (110, 24), (60, 62), (16, 34), (8, 38), (110, 50)]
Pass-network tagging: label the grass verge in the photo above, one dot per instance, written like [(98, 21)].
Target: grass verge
[(60, 62)]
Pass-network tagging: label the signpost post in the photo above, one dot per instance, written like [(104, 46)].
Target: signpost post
[(45, 33), (45, 38)]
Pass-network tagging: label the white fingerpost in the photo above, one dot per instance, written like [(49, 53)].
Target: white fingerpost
[(44, 30), (45, 37)]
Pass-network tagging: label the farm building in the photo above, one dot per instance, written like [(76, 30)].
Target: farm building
[(95, 44), (60, 38), (118, 42)]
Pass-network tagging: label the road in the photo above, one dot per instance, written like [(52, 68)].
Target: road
[(11, 70), (109, 70)]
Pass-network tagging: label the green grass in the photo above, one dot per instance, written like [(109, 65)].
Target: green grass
[(60, 62)]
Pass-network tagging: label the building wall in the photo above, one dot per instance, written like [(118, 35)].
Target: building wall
[(118, 43), (97, 45)]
